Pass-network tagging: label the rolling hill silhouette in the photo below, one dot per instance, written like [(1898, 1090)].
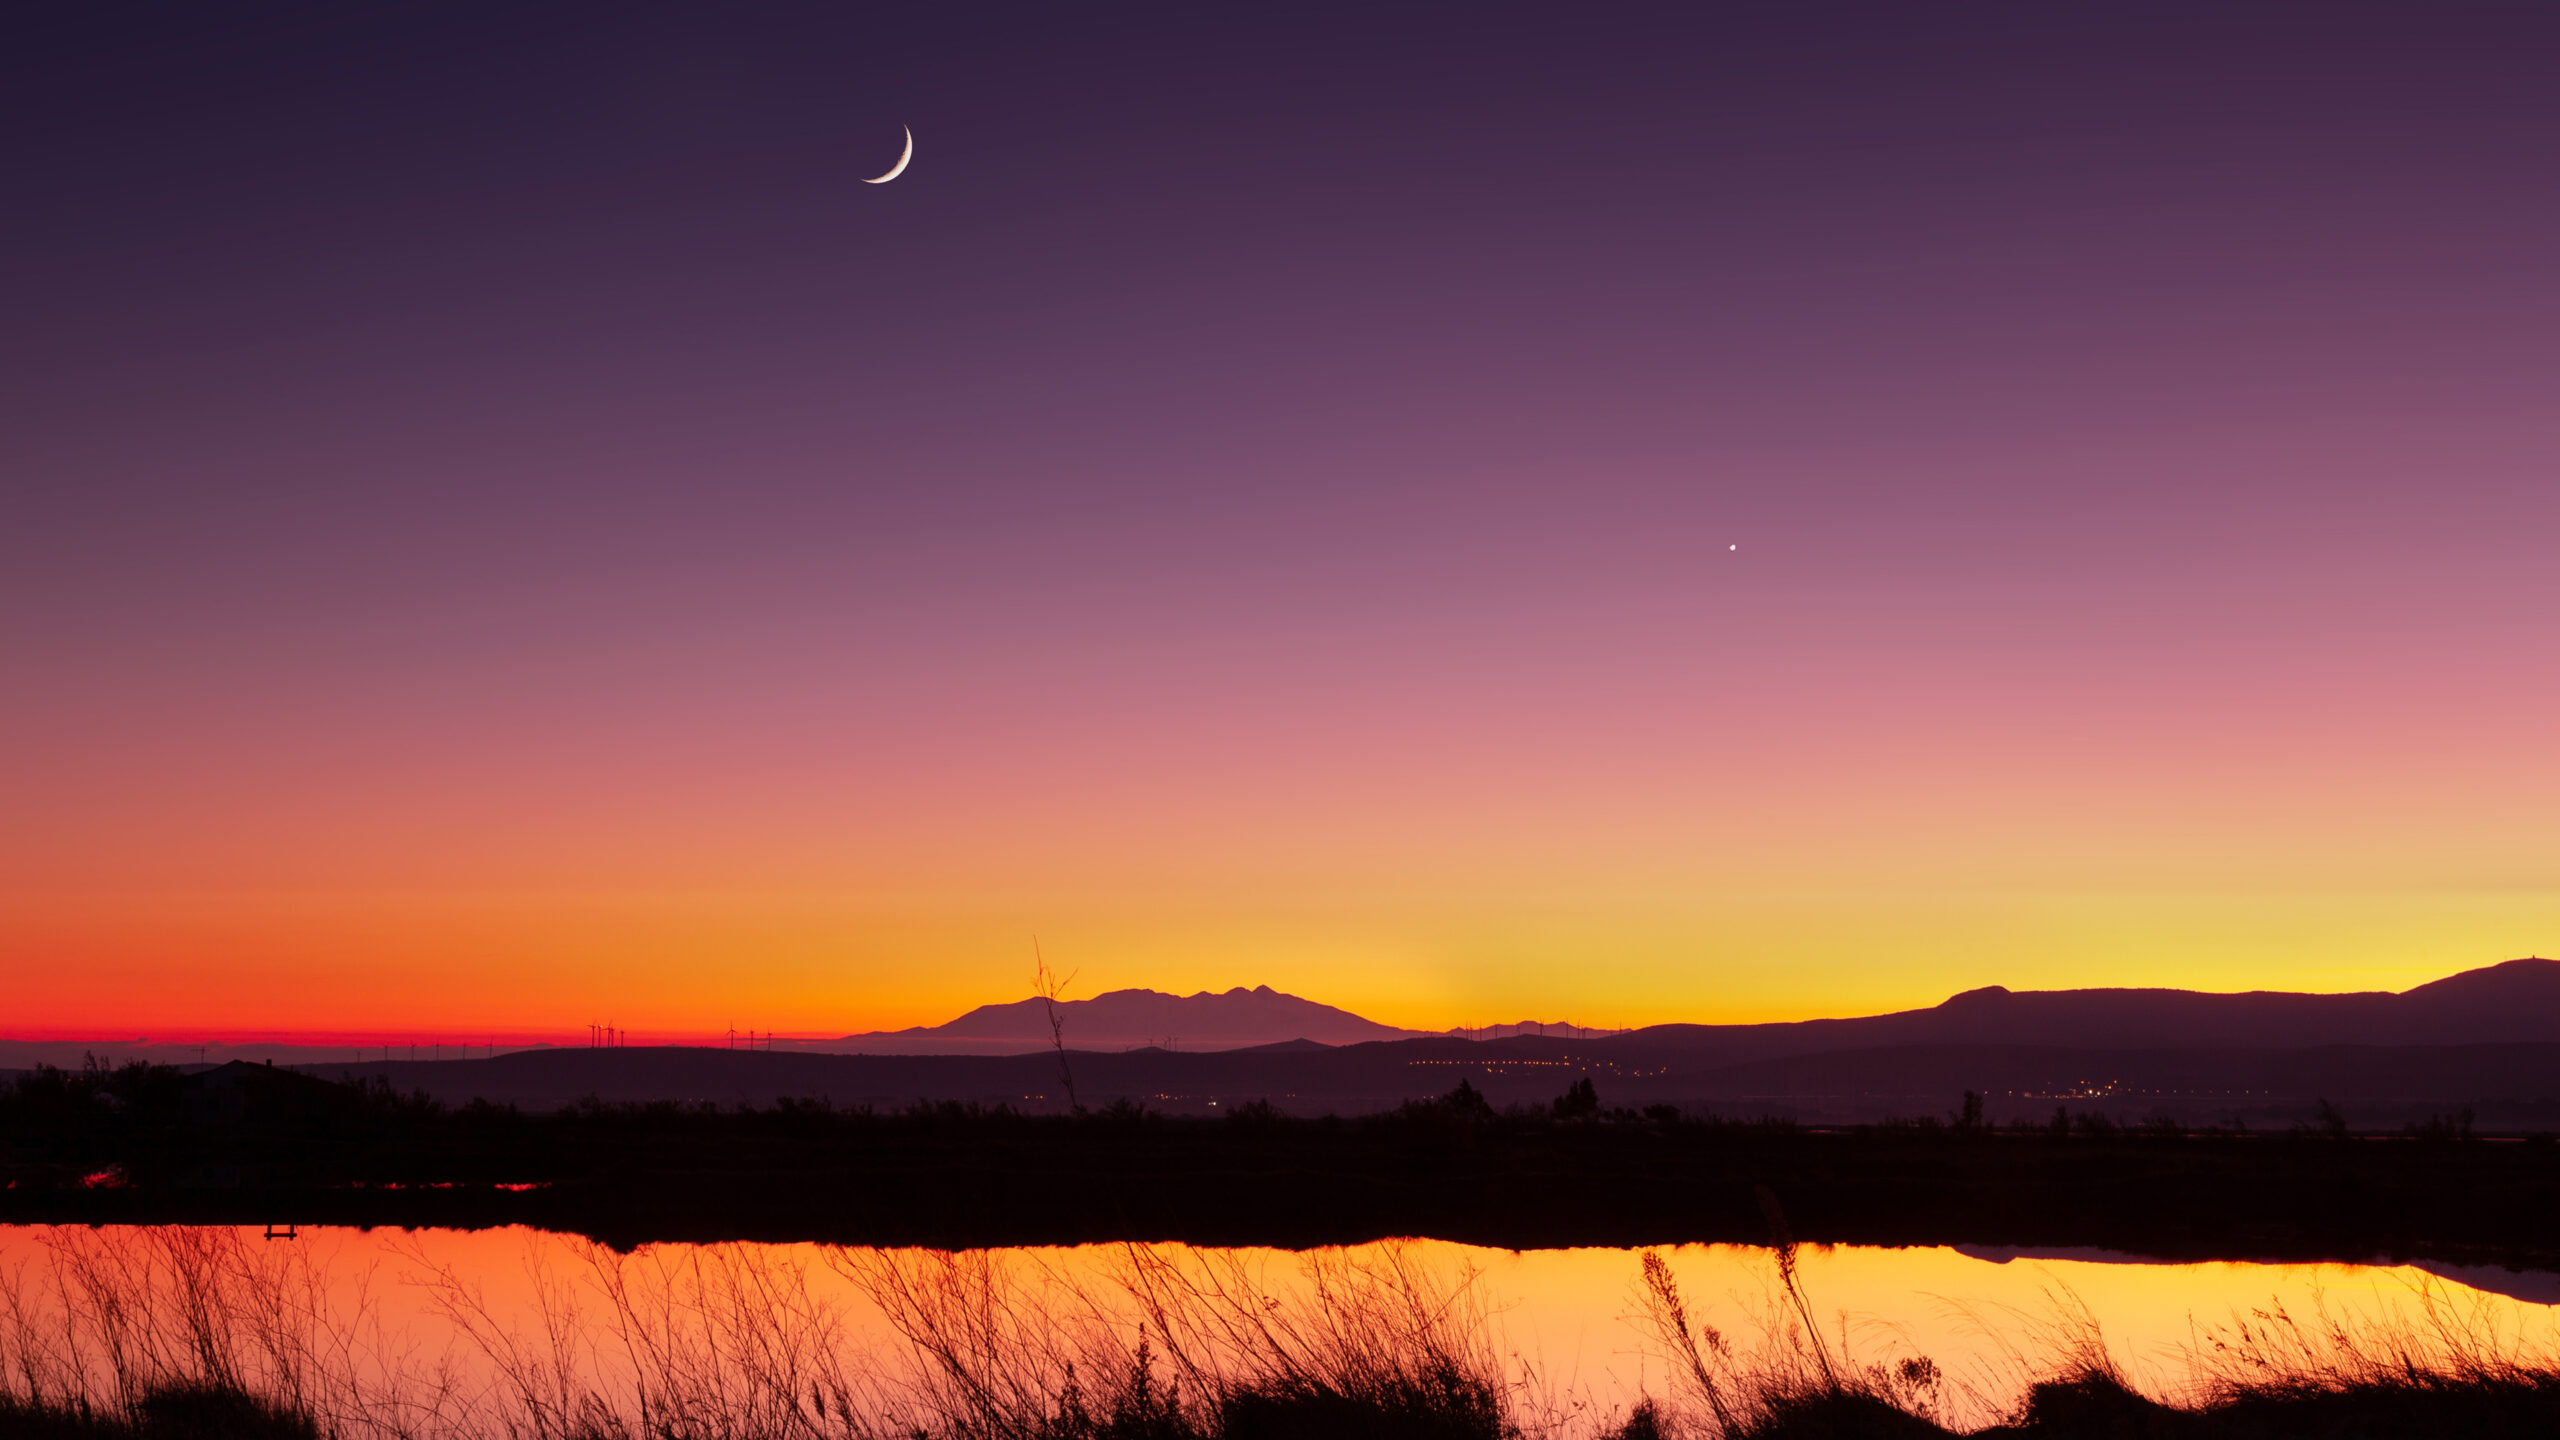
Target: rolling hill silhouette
[(2511, 1003)]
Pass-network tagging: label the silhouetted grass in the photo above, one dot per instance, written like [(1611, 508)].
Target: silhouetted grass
[(2450, 1371), (1187, 1343), (189, 1335)]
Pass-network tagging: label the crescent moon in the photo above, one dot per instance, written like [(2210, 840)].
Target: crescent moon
[(900, 168)]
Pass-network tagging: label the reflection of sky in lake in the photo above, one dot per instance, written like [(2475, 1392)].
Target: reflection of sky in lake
[(1568, 1320), (2540, 1287)]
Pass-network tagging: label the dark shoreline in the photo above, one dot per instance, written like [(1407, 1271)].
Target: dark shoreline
[(247, 1145), (1545, 1186)]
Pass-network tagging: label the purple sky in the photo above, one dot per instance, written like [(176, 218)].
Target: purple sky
[(1254, 501)]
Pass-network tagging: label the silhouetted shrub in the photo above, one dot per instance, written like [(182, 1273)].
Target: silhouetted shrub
[(1255, 1115), (2440, 1128), (1644, 1422), (1580, 1101), (2093, 1404)]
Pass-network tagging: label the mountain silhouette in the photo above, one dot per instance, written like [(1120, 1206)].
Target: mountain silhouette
[(1236, 1019), (2516, 1002), (2489, 1037)]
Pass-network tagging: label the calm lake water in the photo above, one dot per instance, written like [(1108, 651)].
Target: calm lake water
[(470, 1312)]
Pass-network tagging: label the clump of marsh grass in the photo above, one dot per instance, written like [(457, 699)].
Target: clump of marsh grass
[(706, 1342), (1373, 1333), (1788, 1384), (165, 1329), (1183, 1342), (2452, 1363)]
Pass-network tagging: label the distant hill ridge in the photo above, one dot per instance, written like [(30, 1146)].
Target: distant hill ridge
[(2514, 1002), (2487, 1038), (2510, 1003)]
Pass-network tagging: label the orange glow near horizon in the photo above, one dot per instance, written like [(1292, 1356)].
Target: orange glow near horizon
[(672, 969), (1758, 847)]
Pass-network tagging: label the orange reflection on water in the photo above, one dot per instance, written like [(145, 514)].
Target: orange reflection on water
[(1567, 1326)]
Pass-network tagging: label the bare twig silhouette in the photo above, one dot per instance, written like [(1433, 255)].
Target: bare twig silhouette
[(1051, 989)]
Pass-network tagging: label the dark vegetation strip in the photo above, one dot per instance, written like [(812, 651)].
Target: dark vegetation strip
[(250, 1146), (176, 1412)]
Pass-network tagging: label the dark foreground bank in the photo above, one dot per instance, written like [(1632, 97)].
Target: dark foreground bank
[(2082, 1407), (1452, 1404), (248, 1146)]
